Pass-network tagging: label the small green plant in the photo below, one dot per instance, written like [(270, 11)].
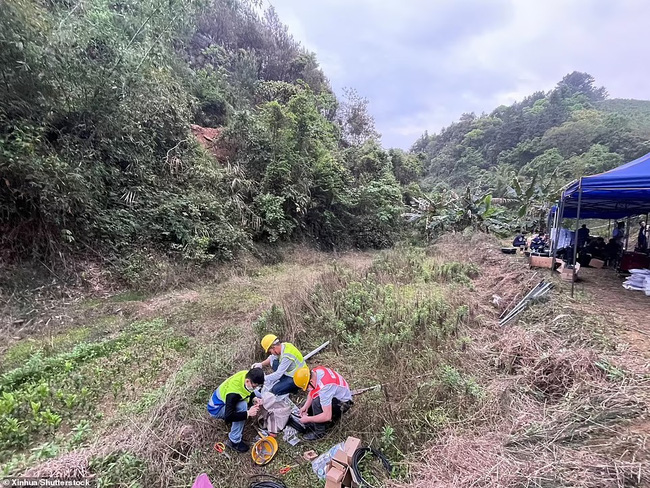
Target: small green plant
[(119, 469), (387, 437), (45, 451), (271, 321), (455, 382), (454, 271), (80, 432), (613, 373)]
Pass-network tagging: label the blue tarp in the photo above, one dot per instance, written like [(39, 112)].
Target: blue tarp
[(615, 194)]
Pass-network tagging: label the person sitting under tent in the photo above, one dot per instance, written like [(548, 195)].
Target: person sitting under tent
[(565, 254), (520, 240), (597, 248), (642, 239), (538, 243), (584, 256)]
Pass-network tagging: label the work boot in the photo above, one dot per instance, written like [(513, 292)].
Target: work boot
[(241, 446), (318, 432)]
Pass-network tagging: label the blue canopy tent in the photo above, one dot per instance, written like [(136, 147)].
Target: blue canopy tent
[(620, 192)]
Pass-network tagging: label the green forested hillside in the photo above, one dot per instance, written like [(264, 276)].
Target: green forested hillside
[(96, 103), (547, 138), (637, 112)]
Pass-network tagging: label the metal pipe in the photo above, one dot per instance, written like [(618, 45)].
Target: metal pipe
[(556, 239), (530, 293), (513, 312), (317, 350), (505, 311), (575, 239), (521, 306), (520, 309), (533, 293)]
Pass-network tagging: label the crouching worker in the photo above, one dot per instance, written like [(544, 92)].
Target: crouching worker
[(329, 397), (285, 360), (234, 401)]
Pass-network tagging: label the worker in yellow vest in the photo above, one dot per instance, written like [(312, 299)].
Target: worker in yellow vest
[(234, 401), (285, 360), (329, 397)]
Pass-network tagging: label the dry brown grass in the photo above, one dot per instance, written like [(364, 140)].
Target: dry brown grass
[(73, 465), (551, 416), (483, 461)]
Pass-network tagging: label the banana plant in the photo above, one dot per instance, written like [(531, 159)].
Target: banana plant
[(447, 210), (532, 200)]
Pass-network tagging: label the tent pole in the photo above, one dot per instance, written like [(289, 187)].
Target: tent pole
[(627, 234), (609, 229), (558, 220), (575, 239)]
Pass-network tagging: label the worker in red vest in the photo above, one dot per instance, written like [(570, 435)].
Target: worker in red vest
[(329, 397)]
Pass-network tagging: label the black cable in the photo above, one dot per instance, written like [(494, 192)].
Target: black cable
[(266, 482), (358, 456)]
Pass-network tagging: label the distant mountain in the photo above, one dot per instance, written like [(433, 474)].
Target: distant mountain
[(570, 131)]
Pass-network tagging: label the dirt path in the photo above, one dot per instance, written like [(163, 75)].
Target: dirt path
[(628, 312)]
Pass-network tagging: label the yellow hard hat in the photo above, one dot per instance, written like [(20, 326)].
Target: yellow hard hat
[(267, 341), (264, 450), (301, 377)]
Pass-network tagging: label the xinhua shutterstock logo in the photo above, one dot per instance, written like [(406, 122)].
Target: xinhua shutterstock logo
[(49, 482)]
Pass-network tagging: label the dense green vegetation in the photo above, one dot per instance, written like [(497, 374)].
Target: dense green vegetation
[(98, 158), (523, 153), (636, 111)]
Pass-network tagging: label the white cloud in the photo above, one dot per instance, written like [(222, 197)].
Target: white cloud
[(423, 63)]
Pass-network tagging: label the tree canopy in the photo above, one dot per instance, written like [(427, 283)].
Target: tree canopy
[(96, 103)]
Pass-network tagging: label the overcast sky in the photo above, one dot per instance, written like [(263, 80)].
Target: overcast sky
[(422, 63)]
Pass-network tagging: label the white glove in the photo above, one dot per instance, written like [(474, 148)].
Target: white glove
[(256, 365)]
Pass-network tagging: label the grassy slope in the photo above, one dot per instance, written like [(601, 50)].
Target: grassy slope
[(131, 395)]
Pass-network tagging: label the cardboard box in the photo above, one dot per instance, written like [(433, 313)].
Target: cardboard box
[(310, 455), (342, 457), (567, 273), (350, 446), (540, 262), (339, 474), (336, 473), (596, 263)]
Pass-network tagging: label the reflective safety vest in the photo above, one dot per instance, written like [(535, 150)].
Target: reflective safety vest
[(234, 384), (330, 377), (291, 353)]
